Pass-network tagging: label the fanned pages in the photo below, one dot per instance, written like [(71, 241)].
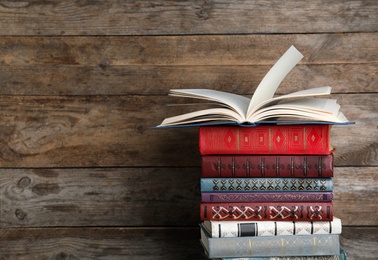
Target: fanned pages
[(301, 106)]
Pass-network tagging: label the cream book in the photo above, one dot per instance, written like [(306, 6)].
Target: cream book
[(299, 107), (271, 228)]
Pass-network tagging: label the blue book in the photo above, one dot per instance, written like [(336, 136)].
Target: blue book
[(236, 247), (265, 184)]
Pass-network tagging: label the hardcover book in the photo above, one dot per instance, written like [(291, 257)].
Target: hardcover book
[(262, 107), (220, 229), (305, 196), (311, 245), (303, 139), (239, 166), (341, 256), (265, 184), (263, 211)]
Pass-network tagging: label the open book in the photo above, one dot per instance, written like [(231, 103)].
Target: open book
[(298, 107)]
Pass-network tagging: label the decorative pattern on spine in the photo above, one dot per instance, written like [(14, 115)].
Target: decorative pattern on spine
[(265, 184), (241, 166), (266, 196), (310, 211), (271, 228), (313, 245), (265, 139)]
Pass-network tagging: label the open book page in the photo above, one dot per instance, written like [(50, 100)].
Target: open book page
[(237, 103), (206, 115), (269, 84), (312, 109), (299, 94)]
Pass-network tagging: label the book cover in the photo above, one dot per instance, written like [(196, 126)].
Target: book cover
[(341, 256), (305, 196), (265, 139), (241, 166), (265, 184), (271, 228), (311, 245), (275, 211)]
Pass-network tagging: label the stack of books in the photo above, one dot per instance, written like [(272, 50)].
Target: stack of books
[(267, 168), (267, 192)]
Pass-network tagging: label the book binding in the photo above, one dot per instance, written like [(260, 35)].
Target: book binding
[(265, 139), (221, 229), (280, 211), (314, 245), (238, 166), (265, 184), (265, 196)]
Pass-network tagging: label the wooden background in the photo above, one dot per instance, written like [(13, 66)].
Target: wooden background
[(83, 174)]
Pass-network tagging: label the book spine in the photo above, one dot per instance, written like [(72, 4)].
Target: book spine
[(285, 211), (341, 256), (242, 166), (266, 196), (313, 245), (265, 184), (265, 139), (274, 228)]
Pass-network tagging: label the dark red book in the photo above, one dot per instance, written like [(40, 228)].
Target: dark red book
[(306, 196), (265, 139), (264, 211), (239, 166)]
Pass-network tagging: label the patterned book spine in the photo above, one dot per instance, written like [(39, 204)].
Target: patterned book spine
[(272, 228), (265, 139), (285, 211), (341, 256), (312, 245), (242, 166), (266, 196), (265, 184)]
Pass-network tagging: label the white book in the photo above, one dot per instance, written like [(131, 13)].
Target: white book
[(217, 229)]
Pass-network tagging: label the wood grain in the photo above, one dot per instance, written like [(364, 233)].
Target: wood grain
[(139, 243), (87, 131), (144, 197), (196, 50), (153, 65), (184, 17), (158, 80)]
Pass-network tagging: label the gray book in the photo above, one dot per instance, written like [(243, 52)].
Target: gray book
[(311, 245)]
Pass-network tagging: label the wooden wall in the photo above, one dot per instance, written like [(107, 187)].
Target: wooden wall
[(83, 174)]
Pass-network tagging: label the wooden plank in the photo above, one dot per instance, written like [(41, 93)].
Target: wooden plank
[(360, 242), (185, 17), (153, 65), (140, 243), (101, 243), (87, 131), (143, 197), (157, 80), (197, 50), (99, 197)]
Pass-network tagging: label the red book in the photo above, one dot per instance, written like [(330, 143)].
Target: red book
[(265, 139), (264, 211), (287, 166)]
